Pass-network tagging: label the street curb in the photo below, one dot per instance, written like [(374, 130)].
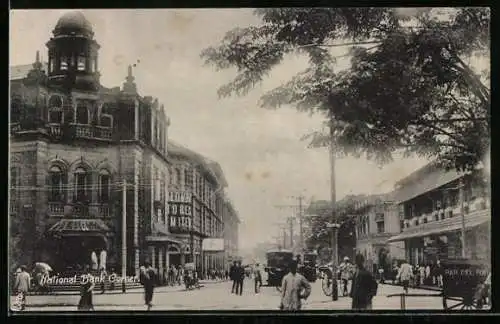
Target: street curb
[(421, 287)]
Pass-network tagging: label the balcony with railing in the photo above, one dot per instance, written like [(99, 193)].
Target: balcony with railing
[(78, 210), (56, 209), (477, 204), (81, 131), (104, 211)]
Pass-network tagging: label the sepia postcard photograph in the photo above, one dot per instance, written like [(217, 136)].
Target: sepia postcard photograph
[(274, 159)]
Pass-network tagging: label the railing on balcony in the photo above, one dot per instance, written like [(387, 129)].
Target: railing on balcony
[(56, 208), (55, 130), (479, 203), (104, 211), (82, 131), (81, 211)]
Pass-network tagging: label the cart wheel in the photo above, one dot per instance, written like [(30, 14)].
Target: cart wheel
[(459, 303)]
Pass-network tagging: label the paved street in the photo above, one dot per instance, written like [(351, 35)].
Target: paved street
[(215, 296)]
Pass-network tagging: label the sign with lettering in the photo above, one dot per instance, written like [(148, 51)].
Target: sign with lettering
[(180, 211), (180, 223), (185, 197)]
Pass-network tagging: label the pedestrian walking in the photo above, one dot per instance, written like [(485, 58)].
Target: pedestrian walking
[(381, 275), (240, 278), (439, 273), (180, 274), (86, 302), (148, 280), (405, 275), (345, 274), (364, 286), (294, 288), (422, 275), (22, 285), (257, 277), (232, 276)]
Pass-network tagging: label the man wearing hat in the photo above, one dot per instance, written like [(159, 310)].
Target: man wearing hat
[(346, 270)]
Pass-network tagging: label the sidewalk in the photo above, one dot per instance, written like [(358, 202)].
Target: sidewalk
[(109, 298)]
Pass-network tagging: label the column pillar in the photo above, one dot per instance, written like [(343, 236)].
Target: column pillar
[(167, 257), (152, 255), (160, 262)]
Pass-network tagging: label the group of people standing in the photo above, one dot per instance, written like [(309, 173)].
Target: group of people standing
[(237, 275), (419, 275)]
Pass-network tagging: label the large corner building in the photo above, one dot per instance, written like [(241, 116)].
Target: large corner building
[(84, 157)]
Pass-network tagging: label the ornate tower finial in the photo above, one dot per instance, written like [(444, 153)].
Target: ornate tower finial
[(37, 65), (129, 86), (130, 77)]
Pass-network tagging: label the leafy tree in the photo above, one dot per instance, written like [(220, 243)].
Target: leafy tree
[(319, 236), (408, 89)]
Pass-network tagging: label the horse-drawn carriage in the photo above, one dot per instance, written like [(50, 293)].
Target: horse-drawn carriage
[(278, 263), (464, 284)]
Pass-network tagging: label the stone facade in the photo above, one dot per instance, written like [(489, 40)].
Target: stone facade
[(376, 223), (202, 180), (73, 144)]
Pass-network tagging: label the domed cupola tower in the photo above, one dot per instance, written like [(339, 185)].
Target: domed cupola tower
[(73, 54)]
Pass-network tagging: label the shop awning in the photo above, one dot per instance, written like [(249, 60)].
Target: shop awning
[(446, 225), (164, 238), (75, 226)]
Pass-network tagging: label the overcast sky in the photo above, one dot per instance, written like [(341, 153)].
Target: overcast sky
[(260, 151)]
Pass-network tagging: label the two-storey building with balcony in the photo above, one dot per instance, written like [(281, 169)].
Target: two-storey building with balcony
[(199, 184), (434, 206), (377, 219), (73, 145)]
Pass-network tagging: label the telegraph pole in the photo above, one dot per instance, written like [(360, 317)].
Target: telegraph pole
[(124, 234), (284, 238), (301, 246), (300, 207), (334, 226), (290, 224)]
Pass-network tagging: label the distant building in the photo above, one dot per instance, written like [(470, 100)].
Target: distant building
[(198, 209), (231, 230), (376, 221), (430, 213)]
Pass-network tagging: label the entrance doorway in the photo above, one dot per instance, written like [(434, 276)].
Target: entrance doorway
[(75, 251), (175, 260)]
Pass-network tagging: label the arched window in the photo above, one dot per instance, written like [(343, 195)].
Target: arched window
[(82, 114), (55, 109), (81, 63), (64, 63), (106, 117), (82, 184), (56, 178), (104, 186)]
